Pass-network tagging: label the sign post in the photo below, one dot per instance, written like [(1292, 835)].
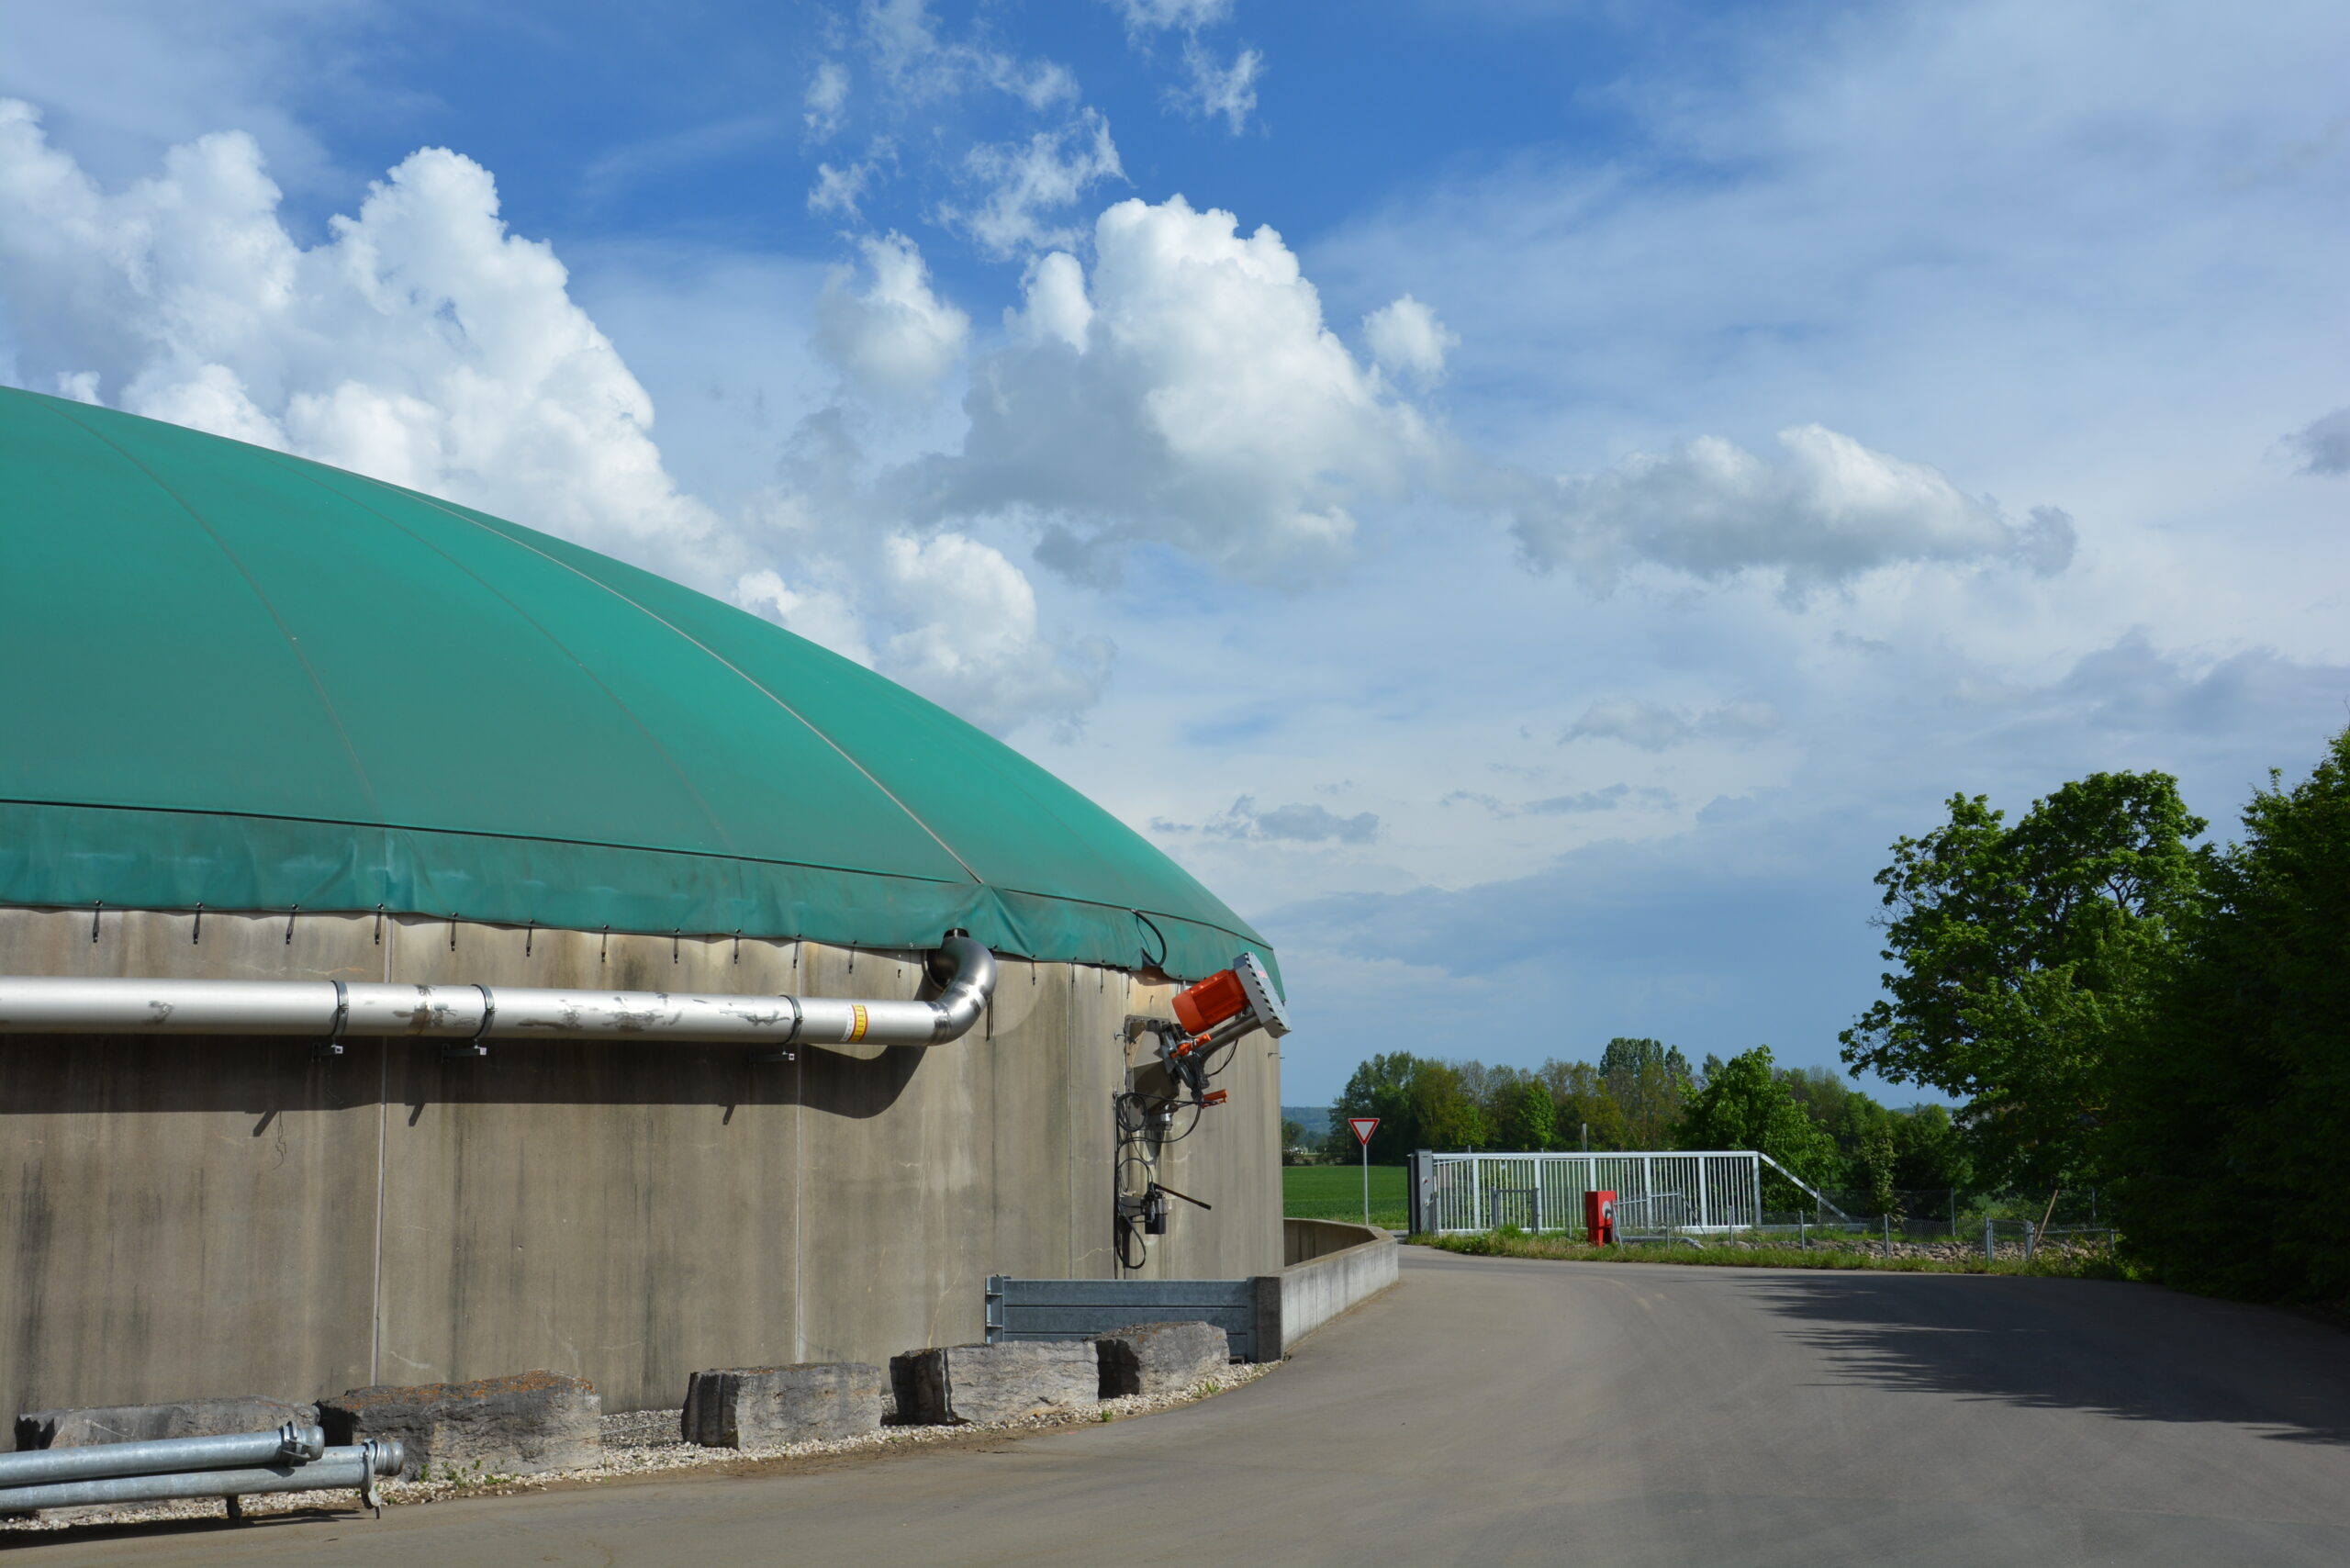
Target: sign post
[(1364, 1126)]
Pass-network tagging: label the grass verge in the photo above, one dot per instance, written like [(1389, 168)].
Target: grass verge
[(1335, 1191), (2051, 1263)]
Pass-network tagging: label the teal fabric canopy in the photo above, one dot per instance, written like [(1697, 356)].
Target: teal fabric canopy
[(233, 678)]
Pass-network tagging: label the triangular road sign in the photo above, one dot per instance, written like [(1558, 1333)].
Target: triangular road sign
[(1364, 1126)]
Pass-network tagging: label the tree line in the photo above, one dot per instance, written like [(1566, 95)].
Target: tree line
[(2117, 1004), (1644, 1094)]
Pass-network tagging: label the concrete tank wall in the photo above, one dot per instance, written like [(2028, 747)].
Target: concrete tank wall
[(183, 1216)]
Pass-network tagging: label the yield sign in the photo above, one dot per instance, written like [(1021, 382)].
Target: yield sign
[(1364, 1126)]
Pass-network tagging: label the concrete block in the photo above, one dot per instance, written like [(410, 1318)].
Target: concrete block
[(964, 1383), (523, 1425), (218, 1417), (1160, 1358), (768, 1406)]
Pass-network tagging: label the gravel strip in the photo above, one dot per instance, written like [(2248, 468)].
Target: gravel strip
[(638, 1443)]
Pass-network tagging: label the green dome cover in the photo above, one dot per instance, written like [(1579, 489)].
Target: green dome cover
[(233, 678)]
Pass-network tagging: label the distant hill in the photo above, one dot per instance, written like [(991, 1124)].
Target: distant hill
[(1315, 1119)]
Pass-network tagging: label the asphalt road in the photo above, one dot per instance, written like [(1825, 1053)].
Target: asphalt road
[(1496, 1411)]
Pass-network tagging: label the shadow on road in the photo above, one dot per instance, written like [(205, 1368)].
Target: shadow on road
[(2134, 1352)]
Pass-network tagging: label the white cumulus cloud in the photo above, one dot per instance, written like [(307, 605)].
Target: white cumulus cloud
[(1225, 92), (1825, 511), (922, 67), (1406, 338), (977, 646), (826, 101), (1024, 181), (420, 341), (897, 338), (1186, 393), (837, 190), (820, 614)]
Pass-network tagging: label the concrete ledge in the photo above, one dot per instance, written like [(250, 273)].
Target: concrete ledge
[(1334, 1268)]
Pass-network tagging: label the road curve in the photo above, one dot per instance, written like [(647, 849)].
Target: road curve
[(1495, 1411)]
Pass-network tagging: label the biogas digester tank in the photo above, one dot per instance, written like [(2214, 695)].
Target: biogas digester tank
[(267, 720)]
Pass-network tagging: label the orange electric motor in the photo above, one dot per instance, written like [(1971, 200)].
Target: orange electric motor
[(1209, 1002)]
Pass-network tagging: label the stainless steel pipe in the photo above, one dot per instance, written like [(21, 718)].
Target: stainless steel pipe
[(335, 1009), (354, 1465), (290, 1444)]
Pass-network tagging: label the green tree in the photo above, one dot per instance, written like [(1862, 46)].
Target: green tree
[(1929, 1152), (1872, 1169), (1649, 1082), (1444, 1114), (2023, 952), (2230, 1141), (1379, 1087), (1844, 1113), (1293, 1137), (1747, 1105), (1580, 1101), (1525, 1117)]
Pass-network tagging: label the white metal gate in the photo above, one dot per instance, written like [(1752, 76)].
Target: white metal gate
[(1675, 1190)]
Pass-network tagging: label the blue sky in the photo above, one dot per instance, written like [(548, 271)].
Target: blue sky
[(1526, 500)]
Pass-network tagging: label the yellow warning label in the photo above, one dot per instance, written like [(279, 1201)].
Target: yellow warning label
[(856, 1030)]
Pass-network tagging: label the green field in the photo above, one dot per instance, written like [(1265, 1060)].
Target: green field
[(1335, 1191)]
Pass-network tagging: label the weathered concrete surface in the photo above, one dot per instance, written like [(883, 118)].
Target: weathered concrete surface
[(1334, 1268), (1499, 1411), (961, 1383), (1305, 1239), (187, 1214), (525, 1424), (764, 1406), (184, 1216), (1160, 1358), (218, 1417)]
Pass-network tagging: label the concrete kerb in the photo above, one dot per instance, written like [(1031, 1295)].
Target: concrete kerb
[(1335, 1268)]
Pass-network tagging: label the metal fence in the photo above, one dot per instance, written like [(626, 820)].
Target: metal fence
[(1687, 1196), (1657, 1193)]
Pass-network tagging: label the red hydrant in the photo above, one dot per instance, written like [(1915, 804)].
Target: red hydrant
[(1599, 1218)]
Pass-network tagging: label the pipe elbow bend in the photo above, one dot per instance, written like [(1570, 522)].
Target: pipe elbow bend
[(960, 1006)]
